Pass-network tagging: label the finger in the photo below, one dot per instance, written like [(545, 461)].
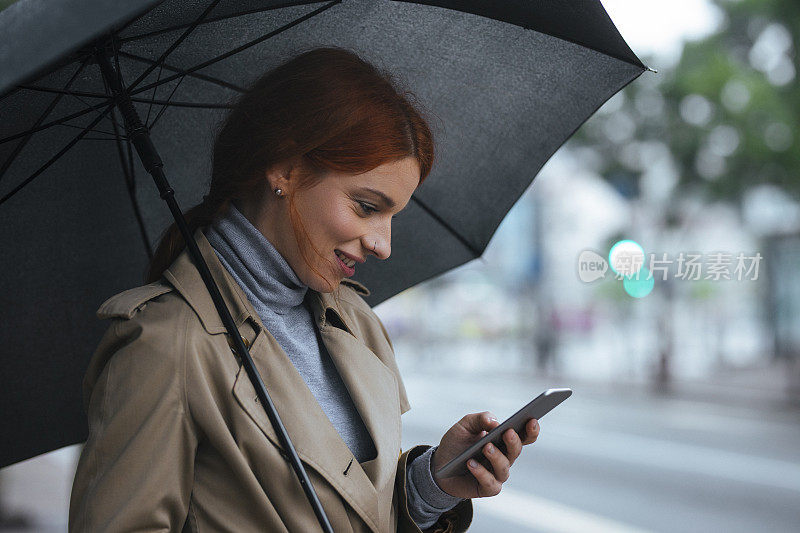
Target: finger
[(488, 485), (531, 432), (500, 463), (513, 445), (477, 422)]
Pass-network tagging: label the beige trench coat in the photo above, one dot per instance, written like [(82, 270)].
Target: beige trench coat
[(178, 441)]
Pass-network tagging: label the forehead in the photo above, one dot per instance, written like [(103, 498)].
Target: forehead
[(397, 179)]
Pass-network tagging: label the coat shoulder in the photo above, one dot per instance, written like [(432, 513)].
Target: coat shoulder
[(126, 303)]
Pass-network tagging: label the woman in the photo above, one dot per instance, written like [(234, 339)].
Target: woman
[(309, 169)]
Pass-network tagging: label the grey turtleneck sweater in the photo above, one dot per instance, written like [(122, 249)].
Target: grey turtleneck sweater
[(277, 295)]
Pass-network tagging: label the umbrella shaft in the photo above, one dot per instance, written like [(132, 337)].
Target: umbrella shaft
[(137, 132)]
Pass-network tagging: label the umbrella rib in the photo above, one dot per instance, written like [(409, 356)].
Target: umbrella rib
[(110, 135), (174, 45), (52, 123), (199, 76), (107, 89), (115, 44), (74, 94), (131, 167), (125, 168), (59, 64), (448, 227), (53, 90), (11, 91), (216, 19), (244, 46), (207, 105), (50, 107), (155, 90), (130, 181), (163, 108), (53, 159), (84, 102), (174, 103)]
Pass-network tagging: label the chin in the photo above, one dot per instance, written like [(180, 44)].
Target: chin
[(327, 282), (322, 285)]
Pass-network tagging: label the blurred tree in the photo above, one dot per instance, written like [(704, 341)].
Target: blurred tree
[(738, 99), (725, 118)]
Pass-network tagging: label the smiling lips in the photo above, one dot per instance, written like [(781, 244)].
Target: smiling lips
[(347, 265), (346, 260)]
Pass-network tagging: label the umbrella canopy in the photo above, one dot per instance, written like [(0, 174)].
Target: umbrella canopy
[(507, 83)]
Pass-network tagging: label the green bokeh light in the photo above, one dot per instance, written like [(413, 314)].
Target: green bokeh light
[(640, 284)]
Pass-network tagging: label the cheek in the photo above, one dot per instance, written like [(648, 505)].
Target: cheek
[(341, 225)]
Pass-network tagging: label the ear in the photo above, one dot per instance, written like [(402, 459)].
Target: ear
[(280, 175)]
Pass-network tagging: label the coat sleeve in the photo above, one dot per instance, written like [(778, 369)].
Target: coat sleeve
[(456, 520), (136, 470)]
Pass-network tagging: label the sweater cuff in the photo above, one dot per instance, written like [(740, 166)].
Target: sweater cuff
[(421, 478)]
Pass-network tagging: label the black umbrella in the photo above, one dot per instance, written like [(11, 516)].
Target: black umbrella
[(510, 81)]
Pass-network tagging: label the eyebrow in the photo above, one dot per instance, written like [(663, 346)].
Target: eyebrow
[(388, 201)]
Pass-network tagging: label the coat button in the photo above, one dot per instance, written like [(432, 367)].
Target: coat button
[(233, 349)]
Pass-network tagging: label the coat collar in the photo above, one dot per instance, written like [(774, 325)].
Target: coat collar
[(373, 387), (184, 276)]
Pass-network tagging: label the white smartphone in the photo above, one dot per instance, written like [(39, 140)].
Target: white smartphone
[(537, 408)]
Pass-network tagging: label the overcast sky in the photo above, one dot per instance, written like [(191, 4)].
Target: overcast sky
[(659, 27)]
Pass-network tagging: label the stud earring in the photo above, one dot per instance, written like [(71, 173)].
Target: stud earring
[(278, 192)]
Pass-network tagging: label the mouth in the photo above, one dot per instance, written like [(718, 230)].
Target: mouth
[(346, 264)]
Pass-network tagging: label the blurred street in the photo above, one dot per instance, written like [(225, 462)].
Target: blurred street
[(625, 460)]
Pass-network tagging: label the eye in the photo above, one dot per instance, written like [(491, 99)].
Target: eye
[(368, 209)]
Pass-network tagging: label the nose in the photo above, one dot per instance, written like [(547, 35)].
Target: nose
[(381, 241)]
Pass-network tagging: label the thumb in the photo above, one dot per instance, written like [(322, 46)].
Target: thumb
[(478, 422)]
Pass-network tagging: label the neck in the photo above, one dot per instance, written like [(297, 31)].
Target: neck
[(264, 274)]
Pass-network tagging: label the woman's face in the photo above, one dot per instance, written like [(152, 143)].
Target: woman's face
[(342, 212)]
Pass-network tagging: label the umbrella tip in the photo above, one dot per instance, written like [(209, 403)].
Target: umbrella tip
[(651, 69)]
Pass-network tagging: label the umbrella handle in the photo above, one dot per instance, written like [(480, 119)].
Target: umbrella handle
[(140, 137)]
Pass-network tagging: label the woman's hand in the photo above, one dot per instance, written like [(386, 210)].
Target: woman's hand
[(480, 482)]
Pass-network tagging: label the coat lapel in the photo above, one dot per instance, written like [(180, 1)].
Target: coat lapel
[(372, 386), (374, 390)]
